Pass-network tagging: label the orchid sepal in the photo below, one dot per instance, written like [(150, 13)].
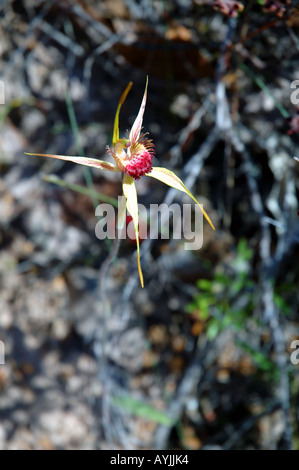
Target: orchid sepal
[(137, 125), (116, 119), (93, 162), (171, 179), (130, 193)]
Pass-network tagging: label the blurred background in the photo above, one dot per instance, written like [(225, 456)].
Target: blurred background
[(204, 357)]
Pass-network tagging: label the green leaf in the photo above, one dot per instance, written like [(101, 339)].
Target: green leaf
[(76, 133), (81, 189), (222, 279), (191, 308), (204, 302), (258, 357), (213, 329), (243, 250), (140, 408), (266, 89), (237, 285), (203, 312), (204, 284), (281, 304)]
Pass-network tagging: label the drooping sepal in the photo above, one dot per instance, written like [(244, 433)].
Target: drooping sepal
[(129, 190), (171, 179)]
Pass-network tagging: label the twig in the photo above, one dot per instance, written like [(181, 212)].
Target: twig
[(268, 265), (246, 425), (104, 373), (193, 124), (174, 411), (268, 268), (61, 39), (19, 52)]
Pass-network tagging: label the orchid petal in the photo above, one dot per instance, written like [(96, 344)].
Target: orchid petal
[(121, 216), (129, 190), (116, 120), (81, 160), (136, 128), (169, 178)]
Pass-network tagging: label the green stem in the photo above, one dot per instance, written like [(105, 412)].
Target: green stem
[(264, 87), (76, 132), (81, 189)]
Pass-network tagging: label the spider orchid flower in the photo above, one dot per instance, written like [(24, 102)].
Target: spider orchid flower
[(133, 157)]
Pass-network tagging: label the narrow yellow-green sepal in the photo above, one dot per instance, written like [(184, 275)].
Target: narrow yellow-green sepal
[(171, 179), (101, 164), (129, 190), (116, 120)]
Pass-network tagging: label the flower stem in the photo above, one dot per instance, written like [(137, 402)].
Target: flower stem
[(103, 363)]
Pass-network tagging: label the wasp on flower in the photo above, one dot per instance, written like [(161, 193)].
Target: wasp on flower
[(133, 157)]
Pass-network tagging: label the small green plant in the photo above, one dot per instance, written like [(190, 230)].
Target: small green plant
[(229, 298), (259, 358), (142, 409)]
